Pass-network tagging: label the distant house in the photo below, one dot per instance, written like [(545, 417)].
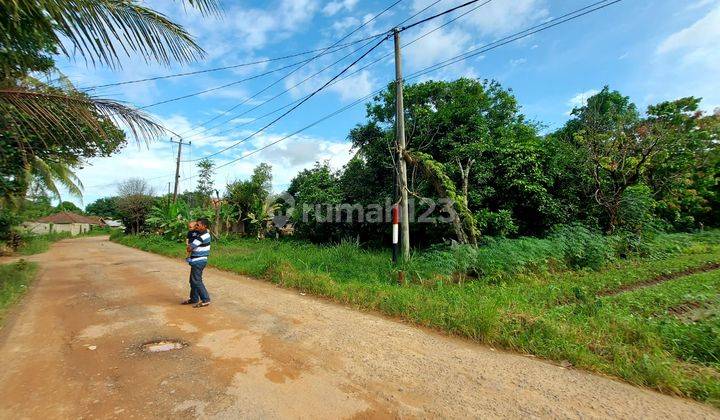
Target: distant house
[(115, 224), (63, 222), (97, 221)]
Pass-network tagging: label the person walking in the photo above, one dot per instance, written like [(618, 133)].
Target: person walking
[(199, 250)]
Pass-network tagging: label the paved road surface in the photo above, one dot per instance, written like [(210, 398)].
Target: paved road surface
[(72, 350)]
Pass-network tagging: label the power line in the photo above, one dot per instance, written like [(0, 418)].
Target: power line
[(206, 129), (471, 53), (365, 23), (305, 98), (299, 103), (443, 13), (230, 67), (338, 80), (236, 82), (323, 86)]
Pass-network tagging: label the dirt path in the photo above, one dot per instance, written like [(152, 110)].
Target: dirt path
[(73, 350)]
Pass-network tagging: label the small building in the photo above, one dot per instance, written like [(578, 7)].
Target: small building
[(62, 222), (114, 224)]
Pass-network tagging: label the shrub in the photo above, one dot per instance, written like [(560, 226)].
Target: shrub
[(581, 247)]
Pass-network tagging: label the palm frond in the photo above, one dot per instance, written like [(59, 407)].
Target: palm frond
[(99, 30), (74, 115), (207, 7), (51, 174), (67, 178)]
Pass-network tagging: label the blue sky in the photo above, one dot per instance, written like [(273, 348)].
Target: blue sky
[(649, 50)]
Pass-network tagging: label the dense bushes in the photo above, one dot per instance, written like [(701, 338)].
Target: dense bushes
[(568, 247)]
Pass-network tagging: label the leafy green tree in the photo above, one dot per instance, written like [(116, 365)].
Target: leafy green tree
[(248, 197), (316, 191), (135, 202), (105, 207), (672, 150), (683, 176), (476, 133), (68, 206), (205, 177), (47, 123), (169, 218)]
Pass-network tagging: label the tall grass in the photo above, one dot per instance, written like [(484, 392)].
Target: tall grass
[(35, 244), (14, 281)]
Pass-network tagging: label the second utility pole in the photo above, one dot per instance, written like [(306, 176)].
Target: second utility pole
[(400, 136), (177, 168)]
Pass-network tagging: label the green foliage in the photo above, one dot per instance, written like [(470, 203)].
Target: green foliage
[(496, 223), (582, 248), (636, 212), (105, 207), (205, 178), (97, 30), (68, 206), (8, 219), (15, 279), (249, 196), (317, 191), (48, 129), (170, 219), (456, 123), (672, 151), (135, 202), (35, 244)]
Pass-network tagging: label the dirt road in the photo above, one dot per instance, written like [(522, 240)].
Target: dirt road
[(73, 349)]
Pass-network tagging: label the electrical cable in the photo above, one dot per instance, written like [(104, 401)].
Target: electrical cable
[(344, 77), (298, 104), (365, 23), (472, 53), (233, 66)]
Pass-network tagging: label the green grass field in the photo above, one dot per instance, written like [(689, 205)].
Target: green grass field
[(15, 279), (650, 318)]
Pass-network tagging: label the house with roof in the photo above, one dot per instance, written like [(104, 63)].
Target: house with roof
[(65, 221)]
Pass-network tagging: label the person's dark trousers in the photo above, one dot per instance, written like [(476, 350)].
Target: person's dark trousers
[(198, 291)]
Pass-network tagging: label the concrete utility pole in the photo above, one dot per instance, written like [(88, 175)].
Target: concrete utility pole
[(177, 168), (402, 169)]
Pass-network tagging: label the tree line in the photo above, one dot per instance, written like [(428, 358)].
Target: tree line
[(610, 168)]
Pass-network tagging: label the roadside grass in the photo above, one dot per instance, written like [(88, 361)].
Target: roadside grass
[(547, 304), (14, 281), (35, 244)]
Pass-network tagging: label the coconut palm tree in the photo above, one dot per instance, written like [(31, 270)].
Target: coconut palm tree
[(99, 31), (47, 176)]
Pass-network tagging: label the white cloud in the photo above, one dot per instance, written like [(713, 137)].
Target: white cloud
[(435, 47), (504, 16), (698, 41), (700, 4), (518, 62), (354, 87), (342, 25), (470, 31), (580, 99), (334, 7)]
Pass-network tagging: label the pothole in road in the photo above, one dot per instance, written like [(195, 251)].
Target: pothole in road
[(162, 345)]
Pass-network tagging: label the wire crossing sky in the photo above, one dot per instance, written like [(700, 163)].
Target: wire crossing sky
[(265, 59)]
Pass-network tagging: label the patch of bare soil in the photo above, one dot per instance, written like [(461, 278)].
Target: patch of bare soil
[(694, 311), (80, 346)]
